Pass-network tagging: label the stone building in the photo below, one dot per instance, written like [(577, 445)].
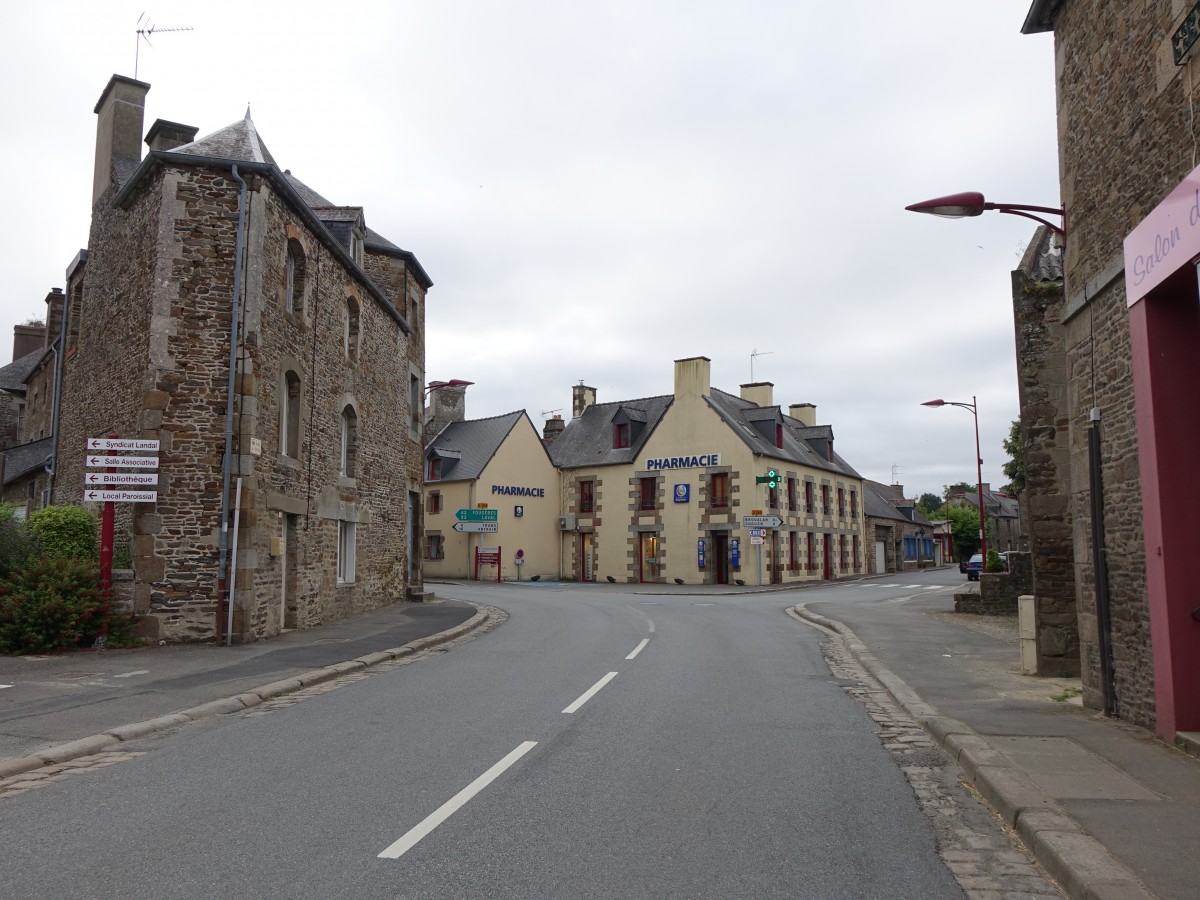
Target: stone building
[(897, 536), (1118, 351), (272, 344), (1003, 511)]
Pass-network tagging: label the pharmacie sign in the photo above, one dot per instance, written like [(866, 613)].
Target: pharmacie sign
[(684, 462)]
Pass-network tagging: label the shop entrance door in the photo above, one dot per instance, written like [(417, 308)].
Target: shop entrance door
[(648, 558), (828, 547), (587, 556), (720, 557)]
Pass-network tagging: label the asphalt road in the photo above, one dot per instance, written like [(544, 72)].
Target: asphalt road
[(602, 743)]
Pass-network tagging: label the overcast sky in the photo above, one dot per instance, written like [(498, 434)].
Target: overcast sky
[(599, 189)]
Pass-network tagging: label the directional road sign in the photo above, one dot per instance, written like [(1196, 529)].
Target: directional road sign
[(101, 461), (477, 515), (91, 496), (758, 532), (146, 479), (761, 521), (94, 444), (479, 527)]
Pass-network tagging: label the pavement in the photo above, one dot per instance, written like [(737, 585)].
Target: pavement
[(1109, 810)]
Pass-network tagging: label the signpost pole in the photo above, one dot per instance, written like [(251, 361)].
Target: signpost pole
[(108, 519)]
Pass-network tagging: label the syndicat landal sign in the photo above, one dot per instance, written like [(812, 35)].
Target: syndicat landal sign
[(94, 444)]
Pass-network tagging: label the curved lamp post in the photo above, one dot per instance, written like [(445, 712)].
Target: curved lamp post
[(978, 470), (971, 203), (438, 385)]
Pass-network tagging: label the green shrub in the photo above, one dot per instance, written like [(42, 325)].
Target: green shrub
[(56, 604), (66, 532), (18, 545), (995, 563)]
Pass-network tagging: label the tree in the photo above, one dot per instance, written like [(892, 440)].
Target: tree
[(960, 487), (964, 524), (1015, 467), (929, 503)]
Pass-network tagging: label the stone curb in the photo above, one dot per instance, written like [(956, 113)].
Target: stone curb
[(95, 743), (1082, 866)]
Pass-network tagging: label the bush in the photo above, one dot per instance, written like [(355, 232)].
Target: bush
[(56, 604), (995, 563), (66, 532), (18, 545)]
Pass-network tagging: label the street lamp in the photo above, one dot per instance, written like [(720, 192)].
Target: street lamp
[(971, 203), (438, 385), (978, 469)]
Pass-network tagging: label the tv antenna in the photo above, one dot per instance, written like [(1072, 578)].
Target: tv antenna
[(755, 353), (895, 473), (147, 28), (547, 412)]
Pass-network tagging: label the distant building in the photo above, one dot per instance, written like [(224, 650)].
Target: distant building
[(898, 536)]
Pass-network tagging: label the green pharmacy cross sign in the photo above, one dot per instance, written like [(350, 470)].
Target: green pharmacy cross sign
[(771, 479), (476, 515)]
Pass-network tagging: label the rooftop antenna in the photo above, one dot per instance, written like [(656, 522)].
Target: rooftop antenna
[(754, 353), (147, 28), (895, 473), (547, 412)]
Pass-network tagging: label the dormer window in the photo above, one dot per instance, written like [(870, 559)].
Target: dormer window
[(356, 247), (779, 435), (620, 435), (435, 468)]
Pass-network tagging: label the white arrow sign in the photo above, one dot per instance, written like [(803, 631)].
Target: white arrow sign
[(122, 462), (144, 478), (762, 521), (94, 444), (476, 526), (90, 496)]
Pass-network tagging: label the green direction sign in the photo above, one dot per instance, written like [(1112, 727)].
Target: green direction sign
[(477, 515)]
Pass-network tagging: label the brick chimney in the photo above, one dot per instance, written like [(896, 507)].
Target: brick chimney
[(119, 115), (27, 339), (164, 135), (54, 314), (447, 403), (582, 397), (693, 377), (554, 427)]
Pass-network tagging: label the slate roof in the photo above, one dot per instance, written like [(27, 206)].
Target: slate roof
[(237, 141), (739, 414), (14, 376), (876, 502), (1043, 258), (998, 505), (588, 439), (19, 461), (467, 447)]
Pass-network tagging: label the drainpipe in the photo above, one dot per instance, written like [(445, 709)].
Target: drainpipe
[(59, 358), (227, 462), (1100, 567)]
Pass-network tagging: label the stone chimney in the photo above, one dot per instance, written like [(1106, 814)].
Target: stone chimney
[(164, 135), (27, 339), (760, 393), (447, 403), (554, 427), (582, 397), (693, 377), (804, 412), (54, 314), (119, 115)]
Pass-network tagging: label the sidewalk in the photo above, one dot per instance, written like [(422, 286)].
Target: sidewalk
[(58, 707), (1108, 809)]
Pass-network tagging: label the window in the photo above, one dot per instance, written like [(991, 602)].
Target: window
[(414, 308), (808, 497), (812, 566), (620, 435), (825, 507), (648, 493), (436, 547), (791, 494), (718, 490), (435, 468), (356, 247), (350, 329), (845, 560), (793, 551), (289, 416), (587, 499), (779, 435), (349, 442), (293, 277), (433, 505), (857, 554), (841, 503), (346, 551), (415, 405), (854, 505), (773, 497)]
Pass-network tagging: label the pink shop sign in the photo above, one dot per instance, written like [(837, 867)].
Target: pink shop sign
[(1165, 241)]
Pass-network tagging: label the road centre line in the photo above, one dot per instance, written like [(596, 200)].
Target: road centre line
[(454, 804), (639, 648), (590, 692)]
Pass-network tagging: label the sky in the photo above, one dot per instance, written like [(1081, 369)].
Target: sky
[(600, 189)]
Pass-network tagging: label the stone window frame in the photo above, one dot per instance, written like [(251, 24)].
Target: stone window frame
[(347, 551), (587, 497), (416, 405), (435, 545), (348, 443), (433, 504), (352, 328), (291, 401), (295, 279), (716, 479)]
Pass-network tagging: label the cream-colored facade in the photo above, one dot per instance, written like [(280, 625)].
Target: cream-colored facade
[(499, 465), (654, 490)]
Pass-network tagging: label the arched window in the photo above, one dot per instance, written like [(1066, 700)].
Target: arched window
[(350, 330), (289, 416), (294, 272), (349, 441)]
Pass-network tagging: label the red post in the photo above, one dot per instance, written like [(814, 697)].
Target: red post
[(108, 518)]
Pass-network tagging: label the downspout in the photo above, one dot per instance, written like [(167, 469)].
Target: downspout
[(227, 461), (59, 359), (1100, 567)]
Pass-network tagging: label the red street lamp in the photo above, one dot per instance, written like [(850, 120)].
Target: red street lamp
[(978, 467), (438, 385), (971, 203)]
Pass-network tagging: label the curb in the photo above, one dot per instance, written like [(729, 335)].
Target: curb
[(1082, 866), (95, 743)]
